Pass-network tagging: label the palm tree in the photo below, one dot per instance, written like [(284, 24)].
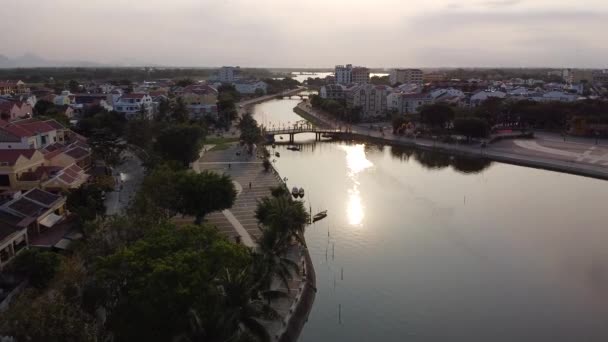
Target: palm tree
[(271, 262), (282, 218), (243, 305)]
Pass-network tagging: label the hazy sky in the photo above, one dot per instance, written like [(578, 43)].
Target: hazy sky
[(310, 33)]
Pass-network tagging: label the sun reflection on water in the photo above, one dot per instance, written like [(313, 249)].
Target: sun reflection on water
[(356, 161)]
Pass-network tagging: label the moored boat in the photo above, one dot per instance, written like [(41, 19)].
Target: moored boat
[(277, 154), (295, 192), (301, 192), (319, 216)]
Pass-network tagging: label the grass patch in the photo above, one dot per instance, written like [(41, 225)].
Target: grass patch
[(220, 143)]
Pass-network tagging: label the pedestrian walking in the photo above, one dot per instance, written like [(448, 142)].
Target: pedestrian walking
[(229, 165), (249, 185)]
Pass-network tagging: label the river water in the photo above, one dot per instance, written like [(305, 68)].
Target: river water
[(420, 246)]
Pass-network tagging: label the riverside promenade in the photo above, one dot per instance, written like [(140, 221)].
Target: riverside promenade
[(239, 224), (546, 151)]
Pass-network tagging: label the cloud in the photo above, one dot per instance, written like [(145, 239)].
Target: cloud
[(500, 3)]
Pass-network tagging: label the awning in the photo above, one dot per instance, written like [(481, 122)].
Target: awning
[(50, 220)]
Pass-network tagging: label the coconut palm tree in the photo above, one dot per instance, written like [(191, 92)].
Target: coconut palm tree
[(282, 218), (244, 306)]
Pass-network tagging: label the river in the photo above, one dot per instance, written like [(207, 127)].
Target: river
[(420, 246)]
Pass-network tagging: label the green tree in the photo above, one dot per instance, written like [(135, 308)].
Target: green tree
[(73, 86), (180, 111), (139, 132), (157, 281), (107, 145), (48, 317), (86, 202), (181, 142), (205, 192), (471, 127), (39, 266), (282, 218), (44, 107), (184, 82), (250, 131), (437, 115)]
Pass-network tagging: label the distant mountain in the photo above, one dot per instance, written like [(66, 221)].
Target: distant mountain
[(30, 60)]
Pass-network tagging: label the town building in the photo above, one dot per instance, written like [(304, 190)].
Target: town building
[(333, 91), (201, 100), (600, 77), (412, 76), (347, 74), (370, 98), (434, 77), (14, 110), (228, 74), (480, 97), (11, 87), (250, 87), (134, 104), (404, 103)]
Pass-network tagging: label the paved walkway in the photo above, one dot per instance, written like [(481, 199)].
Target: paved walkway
[(129, 176), (254, 184)]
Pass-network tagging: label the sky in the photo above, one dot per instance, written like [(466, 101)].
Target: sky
[(310, 33)]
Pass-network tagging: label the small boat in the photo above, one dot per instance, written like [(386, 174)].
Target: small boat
[(319, 216), (274, 146), (295, 192), (281, 138), (301, 192), (294, 148), (277, 154)]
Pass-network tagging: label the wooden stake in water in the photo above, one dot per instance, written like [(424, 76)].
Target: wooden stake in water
[(342, 273), (333, 247), (340, 313)]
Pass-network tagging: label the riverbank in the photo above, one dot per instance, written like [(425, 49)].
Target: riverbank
[(244, 106), (239, 224), (501, 153)]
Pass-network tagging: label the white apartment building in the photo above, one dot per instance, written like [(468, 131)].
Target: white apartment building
[(228, 74), (372, 99), (131, 105), (344, 74), (405, 103), (250, 87), (347, 74), (413, 76)]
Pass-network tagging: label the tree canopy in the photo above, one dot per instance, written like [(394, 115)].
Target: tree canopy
[(180, 142)]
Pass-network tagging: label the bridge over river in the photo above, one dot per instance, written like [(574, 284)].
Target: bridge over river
[(291, 132)]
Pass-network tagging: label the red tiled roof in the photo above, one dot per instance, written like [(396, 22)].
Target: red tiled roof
[(11, 156), (77, 152), (54, 124)]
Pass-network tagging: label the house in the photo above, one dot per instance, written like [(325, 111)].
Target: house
[(17, 166), (250, 87), (30, 134), (70, 177), (372, 99), (38, 210), (134, 104), (13, 110), (65, 98), (407, 103), (482, 96), (10, 87), (13, 237), (201, 100)]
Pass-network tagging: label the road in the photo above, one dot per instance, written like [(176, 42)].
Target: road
[(128, 175)]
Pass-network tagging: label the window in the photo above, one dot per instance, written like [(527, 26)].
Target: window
[(4, 179)]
